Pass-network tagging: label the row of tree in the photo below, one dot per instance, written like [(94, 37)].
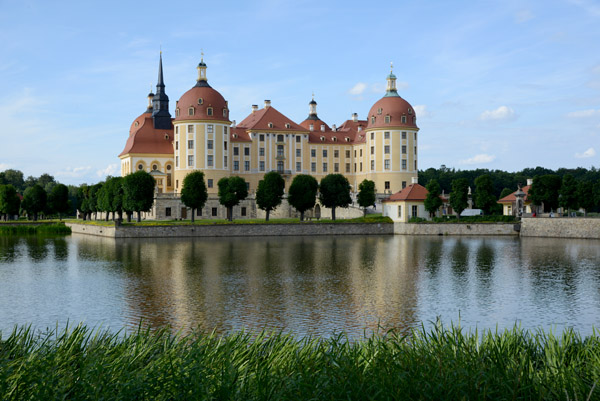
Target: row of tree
[(35, 201)]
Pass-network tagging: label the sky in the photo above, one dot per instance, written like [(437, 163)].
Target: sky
[(495, 84)]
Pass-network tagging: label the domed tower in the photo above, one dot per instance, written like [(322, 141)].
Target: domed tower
[(201, 133), (389, 154)]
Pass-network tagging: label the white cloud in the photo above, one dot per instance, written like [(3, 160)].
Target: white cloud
[(588, 153), (75, 172), (502, 113), (421, 111), (4, 166), (111, 169), (358, 89), (479, 159), (583, 113), (523, 16)]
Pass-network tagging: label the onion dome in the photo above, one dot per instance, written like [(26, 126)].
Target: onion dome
[(202, 102), (392, 110)]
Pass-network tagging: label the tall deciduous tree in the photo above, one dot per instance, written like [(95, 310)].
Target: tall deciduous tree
[(302, 194), (366, 195), (270, 192), (115, 189), (138, 192), (544, 190), (585, 196), (194, 193), (58, 200), (34, 200), (433, 201), (484, 195), (334, 191), (459, 197), (9, 201), (231, 191), (567, 194), (506, 192)]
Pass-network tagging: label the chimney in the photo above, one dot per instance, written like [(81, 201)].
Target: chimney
[(333, 127), (415, 180), (267, 104), (355, 117), (529, 181), (254, 108), (233, 124)]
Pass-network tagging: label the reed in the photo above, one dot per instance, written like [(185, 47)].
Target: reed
[(437, 364), (35, 229)]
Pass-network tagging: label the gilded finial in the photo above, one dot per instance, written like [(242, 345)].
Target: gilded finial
[(201, 55), (391, 67), (313, 95), (160, 48)]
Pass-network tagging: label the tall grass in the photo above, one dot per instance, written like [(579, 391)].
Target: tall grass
[(33, 229), (439, 364)]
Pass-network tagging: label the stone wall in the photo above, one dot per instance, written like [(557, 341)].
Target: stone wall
[(579, 227), (455, 229), (89, 229)]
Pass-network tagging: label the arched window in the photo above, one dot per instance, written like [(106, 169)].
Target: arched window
[(191, 111)]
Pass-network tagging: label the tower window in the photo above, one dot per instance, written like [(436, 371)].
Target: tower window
[(140, 166), (386, 149), (209, 144), (190, 129), (190, 144), (372, 119), (209, 111), (190, 160), (210, 128), (191, 111), (387, 164), (404, 135), (379, 111), (176, 112), (298, 139), (387, 119), (225, 131), (209, 160), (224, 112), (200, 100), (403, 119), (386, 135)]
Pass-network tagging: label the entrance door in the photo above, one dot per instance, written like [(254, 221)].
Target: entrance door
[(184, 213)]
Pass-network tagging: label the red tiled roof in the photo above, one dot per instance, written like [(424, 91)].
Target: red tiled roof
[(413, 192), (144, 138), (240, 135), (260, 119), (395, 107), (210, 98), (511, 198)]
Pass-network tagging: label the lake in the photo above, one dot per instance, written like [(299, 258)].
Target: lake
[(303, 285)]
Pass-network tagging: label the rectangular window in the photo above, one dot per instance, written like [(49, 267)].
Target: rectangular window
[(336, 167), (225, 131), (236, 165), (386, 135), (209, 160), (246, 151), (176, 183), (298, 138), (386, 149), (236, 151), (403, 184), (198, 212), (324, 152), (347, 167), (298, 152), (214, 211), (225, 145), (210, 128), (361, 153), (372, 136), (355, 153), (347, 154), (360, 166), (336, 153), (399, 211), (404, 135), (209, 144), (415, 150), (415, 136), (247, 165), (403, 149), (387, 164), (190, 144), (324, 167), (210, 182), (176, 161), (386, 185), (403, 164), (355, 167), (261, 165), (190, 160), (190, 129), (243, 211), (372, 165), (298, 167), (372, 150), (313, 167), (415, 164), (261, 151), (414, 211), (224, 161), (279, 138), (313, 153), (403, 119), (177, 129), (280, 151), (168, 212), (176, 145)]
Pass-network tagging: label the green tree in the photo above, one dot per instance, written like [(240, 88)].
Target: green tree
[(544, 190), (567, 194), (58, 200), (270, 192), (93, 193), (103, 203), (334, 191), (459, 197), (505, 192), (138, 192), (82, 200), (47, 182), (14, 178), (115, 189), (302, 193), (585, 196), (433, 201), (231, 191), (34, 200), (366, 195), (484, 195), (194, 193), (9, 201)]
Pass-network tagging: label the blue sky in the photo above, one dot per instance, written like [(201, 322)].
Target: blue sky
[(496, 84)]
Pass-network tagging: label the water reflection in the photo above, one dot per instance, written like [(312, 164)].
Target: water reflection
[(301, 284)]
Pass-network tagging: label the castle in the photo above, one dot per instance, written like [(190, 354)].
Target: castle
[(382, 148)]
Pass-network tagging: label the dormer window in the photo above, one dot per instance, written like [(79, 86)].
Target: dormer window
[(372, 119), (347, 139), (311, 127), (200, 100), (379, 111), (387, 119), (404, 119), (287, 125), (334, 139), (322, 127), (137, 123), (176, 112), (209, 111), (224, 112), (322, 139), (410, 110), (270, 125), (191, 111), (414, 119), (235, 135)]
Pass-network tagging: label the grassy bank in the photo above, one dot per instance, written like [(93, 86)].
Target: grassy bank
[(438, 364), (35, 229)]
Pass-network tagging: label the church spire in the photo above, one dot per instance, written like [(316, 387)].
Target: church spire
[(312, 109), (160, 102), (201, 81), (391, 83)]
